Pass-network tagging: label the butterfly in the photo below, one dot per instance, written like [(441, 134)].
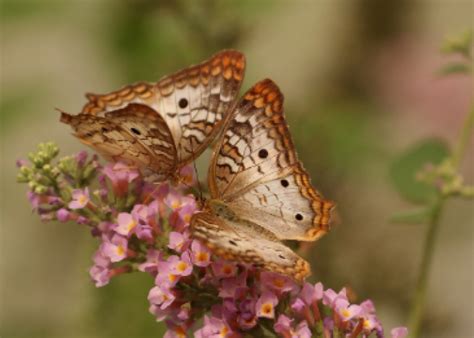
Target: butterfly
[(260, 192), (160, 127)]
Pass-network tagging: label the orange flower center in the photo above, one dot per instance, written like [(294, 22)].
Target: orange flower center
[(227, 269), (181, 266), (279, 282), (267, 308), (120, 250), (202, 256), (345, 313), (224, 331)]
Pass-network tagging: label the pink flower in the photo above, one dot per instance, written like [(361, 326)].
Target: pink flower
[(120, 175), (234, 287), (214, 328), (187, 176), (283, 326), (63, 215), (178, 241), (115, 248), (166, 275), (302, 330), (161, 296), (181, 216), (278, 283), (151, 264), (80, 198), (330, 296), (100, 271), (173, 200), (176, 331), (265, 306), (181, 266), (126, 224), (81, 158), (399, 332), (200, 254), (346, 311), (246, 316), (223, 269), (310, 294)]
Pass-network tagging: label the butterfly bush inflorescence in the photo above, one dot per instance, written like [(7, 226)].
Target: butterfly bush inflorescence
[(144, 228)]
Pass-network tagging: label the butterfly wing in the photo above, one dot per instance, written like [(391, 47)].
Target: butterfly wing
[(193, 102), (231, 241), (137, 135), (256, 172)]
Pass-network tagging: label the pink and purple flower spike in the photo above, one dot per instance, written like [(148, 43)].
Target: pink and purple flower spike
[(144, 228)]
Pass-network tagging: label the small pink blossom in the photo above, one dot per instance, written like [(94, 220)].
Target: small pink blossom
[(278, 283), (265, 306), (399, 332), (115, 248), (126, 224), (283, 326), (151, 264), (214, 328), (330, 296), (223, 269), (201, 255), (161, 296), (63, 215), (345, 310), (311, 293), (166, 275), (234, 287), (120, 175), (178, 241), (181, 266), (80, 198)]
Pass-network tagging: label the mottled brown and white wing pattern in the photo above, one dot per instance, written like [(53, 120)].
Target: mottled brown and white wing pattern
[(193, 102), (256, 172), (232, 241), (260, 192), (137, 135)]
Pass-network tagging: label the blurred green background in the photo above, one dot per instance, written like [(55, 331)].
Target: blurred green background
[(360, 82)]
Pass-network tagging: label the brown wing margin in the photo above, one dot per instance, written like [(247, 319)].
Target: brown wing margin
[(230, 63)]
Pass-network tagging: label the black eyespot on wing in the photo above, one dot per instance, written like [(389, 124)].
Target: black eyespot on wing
[(135, 131), (183, 103), (232, 242), (263, 153), (299, 217), (104, 130), (282, 257), (284, 183)]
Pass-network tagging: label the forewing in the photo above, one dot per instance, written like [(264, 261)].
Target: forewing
[(239, 243), (138, 137), (193, 102), (256, 172)]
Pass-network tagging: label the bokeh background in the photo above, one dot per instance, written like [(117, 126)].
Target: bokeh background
[(361, 86)]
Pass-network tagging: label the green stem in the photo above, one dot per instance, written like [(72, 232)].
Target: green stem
[(464, 138), (416, 314)]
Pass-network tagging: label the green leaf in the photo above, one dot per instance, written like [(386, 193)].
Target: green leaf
[(455, 68), (460, 44), (404, 170), (415, 216)]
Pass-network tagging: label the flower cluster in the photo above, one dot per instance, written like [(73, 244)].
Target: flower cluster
[(144, 227)]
